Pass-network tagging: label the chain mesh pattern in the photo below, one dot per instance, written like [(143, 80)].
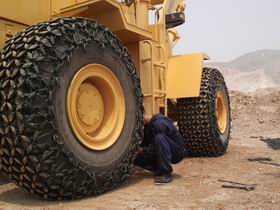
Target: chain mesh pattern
[(197, 117), (32, 152)]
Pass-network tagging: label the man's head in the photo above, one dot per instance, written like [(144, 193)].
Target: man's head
[(147, 118)]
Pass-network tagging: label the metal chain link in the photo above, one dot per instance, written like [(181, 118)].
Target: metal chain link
[(41, 166)]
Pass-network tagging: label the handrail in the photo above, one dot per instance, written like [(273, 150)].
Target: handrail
[(152, 72), (157, 15)]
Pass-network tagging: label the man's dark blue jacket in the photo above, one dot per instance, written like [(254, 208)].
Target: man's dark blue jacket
[(160, 125)]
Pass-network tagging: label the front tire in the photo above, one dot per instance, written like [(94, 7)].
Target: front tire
[(40, 149), (205, 121)]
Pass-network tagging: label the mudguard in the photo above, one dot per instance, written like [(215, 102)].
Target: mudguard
[(184, 75)]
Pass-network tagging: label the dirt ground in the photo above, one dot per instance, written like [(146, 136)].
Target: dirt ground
[(196, 186)]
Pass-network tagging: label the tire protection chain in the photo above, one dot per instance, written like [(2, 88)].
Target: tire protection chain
[(23, 125), (197, 118)]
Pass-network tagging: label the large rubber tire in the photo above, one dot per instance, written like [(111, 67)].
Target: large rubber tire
[(172, 111), (38, 150), (197, 119)]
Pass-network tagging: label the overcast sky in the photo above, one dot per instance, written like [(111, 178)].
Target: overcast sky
[(226, 29)]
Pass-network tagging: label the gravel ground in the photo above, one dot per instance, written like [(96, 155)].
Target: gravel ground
[(196, 184)]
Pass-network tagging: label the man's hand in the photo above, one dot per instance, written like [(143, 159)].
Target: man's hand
[(140, 151)]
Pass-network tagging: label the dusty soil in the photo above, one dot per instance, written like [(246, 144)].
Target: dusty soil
[(196, 186)]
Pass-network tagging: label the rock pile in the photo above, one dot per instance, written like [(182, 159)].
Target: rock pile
[(257, 110)]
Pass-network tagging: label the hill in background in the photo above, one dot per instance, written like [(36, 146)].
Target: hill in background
[(252, 71)]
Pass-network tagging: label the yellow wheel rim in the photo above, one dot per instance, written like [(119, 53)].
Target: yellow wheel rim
[(96, 107), (221, 112)]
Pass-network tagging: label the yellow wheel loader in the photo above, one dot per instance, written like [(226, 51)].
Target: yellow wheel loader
[(76, 77)]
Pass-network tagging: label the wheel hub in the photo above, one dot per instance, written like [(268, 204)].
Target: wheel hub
[(221, 112), (96, 107), (90, 106)]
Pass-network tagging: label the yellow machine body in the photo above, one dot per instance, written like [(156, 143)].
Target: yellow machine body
[(163, 76), (185, 72)]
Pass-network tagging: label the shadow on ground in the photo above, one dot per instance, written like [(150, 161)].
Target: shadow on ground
[(16, 196), (3, 179)]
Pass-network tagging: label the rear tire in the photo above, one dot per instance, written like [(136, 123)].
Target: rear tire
[(39, 151), (204, 132)]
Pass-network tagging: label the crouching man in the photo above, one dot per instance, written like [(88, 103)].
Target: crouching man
[(162, 146)]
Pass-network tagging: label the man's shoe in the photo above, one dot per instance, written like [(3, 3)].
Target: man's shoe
[(163, 179)]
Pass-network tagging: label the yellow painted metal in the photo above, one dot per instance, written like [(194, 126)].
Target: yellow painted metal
[(96, 107), (150, 45), (153, 76), (184, 75), (25, 11), (8, 29), (156, 2), (221, 111), (15, 15), (90, 107), (126, 26)]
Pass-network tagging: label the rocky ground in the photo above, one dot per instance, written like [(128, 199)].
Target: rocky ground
[(196, 182)]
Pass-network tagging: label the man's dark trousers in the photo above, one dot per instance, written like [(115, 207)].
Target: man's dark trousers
[(163, 146)]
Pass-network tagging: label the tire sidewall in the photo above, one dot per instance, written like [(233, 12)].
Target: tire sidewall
[(197, 118), (110, 158)]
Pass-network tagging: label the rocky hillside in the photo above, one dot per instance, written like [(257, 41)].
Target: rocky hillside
[(252, 71)]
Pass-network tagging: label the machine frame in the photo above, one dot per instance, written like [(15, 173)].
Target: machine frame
[(163, 76)]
